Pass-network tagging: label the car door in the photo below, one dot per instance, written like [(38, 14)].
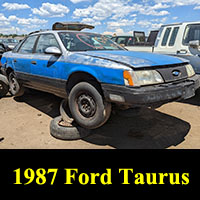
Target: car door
[(46, 69), (21, 60)]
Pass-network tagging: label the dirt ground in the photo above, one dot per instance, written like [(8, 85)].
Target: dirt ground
[(24, 124)]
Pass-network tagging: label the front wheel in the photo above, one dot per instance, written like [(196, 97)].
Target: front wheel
[(87, 106)]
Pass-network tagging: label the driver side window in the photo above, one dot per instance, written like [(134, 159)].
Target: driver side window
[(45, 41)]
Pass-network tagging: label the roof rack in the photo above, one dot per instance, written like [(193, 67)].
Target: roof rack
[(73, 26), (39, 31)]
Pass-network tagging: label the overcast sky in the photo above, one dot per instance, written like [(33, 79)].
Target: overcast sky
[(109, 16)]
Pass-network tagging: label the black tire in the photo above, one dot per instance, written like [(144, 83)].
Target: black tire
[(198, 92), (67, 133), (4, 88), (87, 106), (15, 88)]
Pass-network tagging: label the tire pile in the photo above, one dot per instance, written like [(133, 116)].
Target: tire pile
[(69, 130)]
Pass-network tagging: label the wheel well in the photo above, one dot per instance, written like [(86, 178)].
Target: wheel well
[(78, 77)]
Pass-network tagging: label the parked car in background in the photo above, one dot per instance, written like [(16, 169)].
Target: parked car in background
[(180, 39), (92, 72), (11, 43), (124, 40), (3, 48), (3, 79), (138, 39)]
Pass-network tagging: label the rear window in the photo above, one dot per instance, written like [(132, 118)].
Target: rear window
[(121, 40), (126, 40), (166, 36), (158, 37), (173, 37), (27, 46), (130, 41), (16, 48)]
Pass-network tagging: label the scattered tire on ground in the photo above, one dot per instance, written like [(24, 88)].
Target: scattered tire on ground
[(73, 132), (65, 112)]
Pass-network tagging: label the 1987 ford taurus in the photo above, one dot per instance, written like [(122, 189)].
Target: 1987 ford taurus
[(91, 72)]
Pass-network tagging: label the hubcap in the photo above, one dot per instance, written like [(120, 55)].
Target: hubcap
[(86, 105), (13, 84), (1, 86)]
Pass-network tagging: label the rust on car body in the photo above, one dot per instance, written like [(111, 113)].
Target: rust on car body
[(73, 26)]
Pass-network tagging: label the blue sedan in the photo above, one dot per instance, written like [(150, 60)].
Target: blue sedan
[(92, 72)]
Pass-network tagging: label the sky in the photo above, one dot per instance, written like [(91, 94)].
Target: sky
[(108, 16)]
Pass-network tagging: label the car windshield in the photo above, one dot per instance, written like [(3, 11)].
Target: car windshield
[(87, 42)]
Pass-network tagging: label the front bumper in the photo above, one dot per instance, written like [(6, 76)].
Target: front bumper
[(148, 95)]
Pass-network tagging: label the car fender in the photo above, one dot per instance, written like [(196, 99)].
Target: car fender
[(194, 61), (101, 74)]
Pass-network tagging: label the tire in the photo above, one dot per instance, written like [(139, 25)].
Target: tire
[(198, 91), (15, 88), (67, 133), (87, 106), (64, 111), (4, 87)]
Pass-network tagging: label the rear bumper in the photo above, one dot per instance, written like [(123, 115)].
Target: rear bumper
[(148, 95)]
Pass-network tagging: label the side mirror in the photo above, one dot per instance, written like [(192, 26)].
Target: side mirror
[(53, 50), (194, 44)]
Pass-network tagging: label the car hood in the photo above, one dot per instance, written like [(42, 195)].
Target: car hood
[(135, 59)]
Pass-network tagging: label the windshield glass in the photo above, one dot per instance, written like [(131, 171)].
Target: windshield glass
[(87, 42), (192, 32)]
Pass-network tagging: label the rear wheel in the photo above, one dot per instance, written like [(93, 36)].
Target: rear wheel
[(15, 88), (87, 106), (4, 88)]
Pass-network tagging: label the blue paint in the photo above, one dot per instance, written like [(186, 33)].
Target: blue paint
[(137, 59), (105, 66), (62, 70)]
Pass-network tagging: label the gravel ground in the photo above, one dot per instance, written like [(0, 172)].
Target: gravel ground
[(25, 125)]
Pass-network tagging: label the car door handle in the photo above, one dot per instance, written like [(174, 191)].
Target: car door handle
[(33, 62)]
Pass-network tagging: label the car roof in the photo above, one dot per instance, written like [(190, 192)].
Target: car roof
[(60, 31), (175, 24)]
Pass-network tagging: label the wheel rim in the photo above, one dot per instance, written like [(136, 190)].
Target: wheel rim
[(1, 86), (86, 105), (13, 84)]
